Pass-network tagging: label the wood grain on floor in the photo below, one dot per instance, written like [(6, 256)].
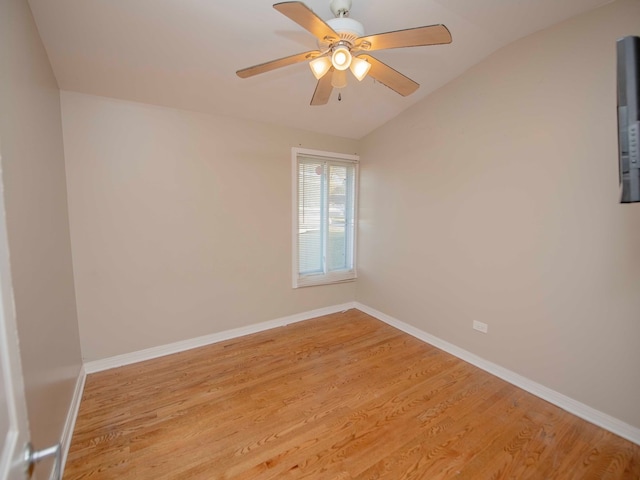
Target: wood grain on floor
[(339, 397)]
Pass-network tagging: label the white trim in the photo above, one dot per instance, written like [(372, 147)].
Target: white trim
[(72, 415), (578, 409), (294, 217), (326, 279), (162, 350), (295, 151)]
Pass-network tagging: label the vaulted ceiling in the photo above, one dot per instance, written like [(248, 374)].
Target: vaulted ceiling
[(184, 53)]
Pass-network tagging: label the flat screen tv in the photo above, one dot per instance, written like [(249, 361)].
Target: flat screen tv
[(629, 118)]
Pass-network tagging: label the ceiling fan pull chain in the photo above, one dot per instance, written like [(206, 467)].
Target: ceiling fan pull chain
[(339, 97)]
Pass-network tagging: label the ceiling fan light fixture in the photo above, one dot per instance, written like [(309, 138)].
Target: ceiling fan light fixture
[(339, 79), (359, 68), (320, 66), (341, 58)]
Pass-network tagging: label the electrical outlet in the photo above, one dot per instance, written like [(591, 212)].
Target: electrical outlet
[(481, 327)]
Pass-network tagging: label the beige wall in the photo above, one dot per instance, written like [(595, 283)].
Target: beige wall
[(180, 223), (37, 222), (495, 199)]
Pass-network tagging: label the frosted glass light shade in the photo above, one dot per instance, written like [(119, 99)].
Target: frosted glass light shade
[(339, 79), (320, 66), (341, 58), (359, 68)]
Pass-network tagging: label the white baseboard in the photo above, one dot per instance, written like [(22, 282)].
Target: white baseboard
[(162, 350), (578, 409), (72, 414)]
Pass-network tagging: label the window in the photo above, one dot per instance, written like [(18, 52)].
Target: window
[(325, 192)]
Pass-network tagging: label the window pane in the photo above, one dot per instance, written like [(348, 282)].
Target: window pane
[(311, 182), (337, 238)]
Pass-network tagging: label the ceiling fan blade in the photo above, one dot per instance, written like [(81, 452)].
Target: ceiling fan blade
[(411, 37), (390, 77), (323, 89), (279, 63), (304, 16)]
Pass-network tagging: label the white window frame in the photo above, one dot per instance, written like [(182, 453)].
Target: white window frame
[(327, 277)]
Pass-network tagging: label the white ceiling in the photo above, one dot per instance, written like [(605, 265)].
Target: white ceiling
[(184, 53)]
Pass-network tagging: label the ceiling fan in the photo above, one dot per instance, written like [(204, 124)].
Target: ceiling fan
[(342, 45)]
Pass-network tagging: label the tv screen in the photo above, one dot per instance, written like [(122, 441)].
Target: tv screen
[(629, 118)]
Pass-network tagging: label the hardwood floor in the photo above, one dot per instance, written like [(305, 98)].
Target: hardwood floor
[(339, 397)]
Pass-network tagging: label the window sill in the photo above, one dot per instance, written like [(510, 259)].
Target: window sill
[(312, 281)]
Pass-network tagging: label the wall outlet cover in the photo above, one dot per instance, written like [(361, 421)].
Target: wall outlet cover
[(481, 327)]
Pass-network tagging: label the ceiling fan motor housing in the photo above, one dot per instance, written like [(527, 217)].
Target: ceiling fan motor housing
[(348, 28)]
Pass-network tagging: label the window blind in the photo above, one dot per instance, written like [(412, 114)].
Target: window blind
[(325, 226)]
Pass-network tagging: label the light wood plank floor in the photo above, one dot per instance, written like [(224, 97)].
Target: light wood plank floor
[(339, 397)]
